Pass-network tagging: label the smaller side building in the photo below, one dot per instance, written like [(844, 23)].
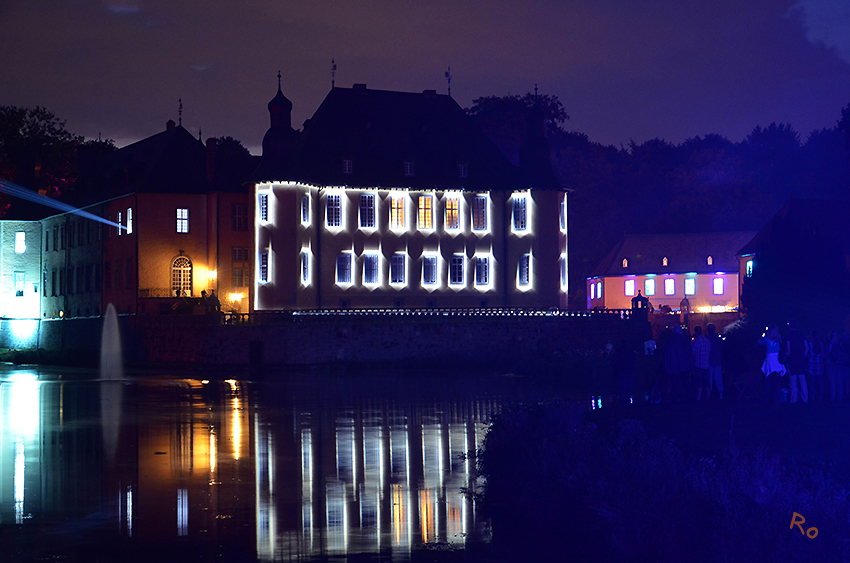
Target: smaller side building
[(667, 268)]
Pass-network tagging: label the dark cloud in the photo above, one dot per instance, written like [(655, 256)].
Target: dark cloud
[(638, 69)]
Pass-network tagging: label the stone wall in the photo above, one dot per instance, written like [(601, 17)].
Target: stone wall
[(509, 342)]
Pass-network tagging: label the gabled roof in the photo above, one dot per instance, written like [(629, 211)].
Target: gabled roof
[(380, 131), (171, 161), (809, 219), (685, 253)]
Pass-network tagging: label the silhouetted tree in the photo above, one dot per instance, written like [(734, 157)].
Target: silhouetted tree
[(233, 164)]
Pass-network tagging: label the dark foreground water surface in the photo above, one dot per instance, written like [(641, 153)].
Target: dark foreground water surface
[(294, 467)]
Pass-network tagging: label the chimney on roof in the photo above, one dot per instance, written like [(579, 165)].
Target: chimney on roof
[(358, 87), (169, 125), (429, 93)]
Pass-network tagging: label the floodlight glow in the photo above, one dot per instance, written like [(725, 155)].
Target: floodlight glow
[(235, 297), (524, 275), (335, 209), (431, 278), (398, 270), (521, 214), (15, 190), (372, 269)]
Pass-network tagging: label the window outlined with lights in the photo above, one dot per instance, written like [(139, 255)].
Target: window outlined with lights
[(305, 209), (519, 215), (483, 277), (479, 213), (425, 213), (367, 211), (371, 268), (344, 275), (524, 272), (305, 266), (456, 267), (430, 273), (263, 207), (398, 269), (333, 210), (397, 212), (263, 267), (452, 219)]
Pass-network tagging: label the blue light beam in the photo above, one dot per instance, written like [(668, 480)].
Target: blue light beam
[(15, 190)]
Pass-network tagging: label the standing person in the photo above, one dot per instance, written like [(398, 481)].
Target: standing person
[(814, 355), (677, 361), (795, 358), (702, 350), (715, 360), (772, 368), (685, 308)]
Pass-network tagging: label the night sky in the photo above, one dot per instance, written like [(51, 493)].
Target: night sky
[(624, 69)]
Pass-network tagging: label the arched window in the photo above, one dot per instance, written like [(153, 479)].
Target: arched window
[(664, 261), (709, 261), (625, 262), (181, 277)]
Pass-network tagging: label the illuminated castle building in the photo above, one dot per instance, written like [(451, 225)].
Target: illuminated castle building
[(392, 199), (701, 267)]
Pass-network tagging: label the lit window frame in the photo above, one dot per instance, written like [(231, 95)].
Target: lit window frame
[(183, 220), (398, 269), (367, 258), (483, 272), (397, 212), (524, 273), (344, 263), (425, 213), (457, 264), (669, 286), (718, 283), (519, 213), (452, 215), (748, 268), (305, 209), (129, 220), (435, 279), (366, 211), (263, 207), (20, 242), (629, 287), (690, 286), (333, 210), (305, 267), (649, 287), (480, 222)]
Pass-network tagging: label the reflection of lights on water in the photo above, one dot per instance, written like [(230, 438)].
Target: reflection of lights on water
[(213, 452), (125, 509), (20, 467), (595, 402), (401, 529), (182, 512), (236, 423)]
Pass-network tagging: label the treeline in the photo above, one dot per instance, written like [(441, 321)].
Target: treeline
[(704, 184)]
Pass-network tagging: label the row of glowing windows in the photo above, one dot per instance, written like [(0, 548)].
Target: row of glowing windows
[(717, 286), (665, 262), (398, 269), (425, 212)]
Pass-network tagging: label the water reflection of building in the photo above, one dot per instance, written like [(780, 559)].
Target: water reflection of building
[(204, 465), (377, 478)]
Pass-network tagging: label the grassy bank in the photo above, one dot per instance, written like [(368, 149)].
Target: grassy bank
[(669, 483)]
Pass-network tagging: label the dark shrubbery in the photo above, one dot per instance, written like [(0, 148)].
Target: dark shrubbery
[(560, 489)]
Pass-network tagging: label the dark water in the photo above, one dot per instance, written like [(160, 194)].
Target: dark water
[(293, 468)]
